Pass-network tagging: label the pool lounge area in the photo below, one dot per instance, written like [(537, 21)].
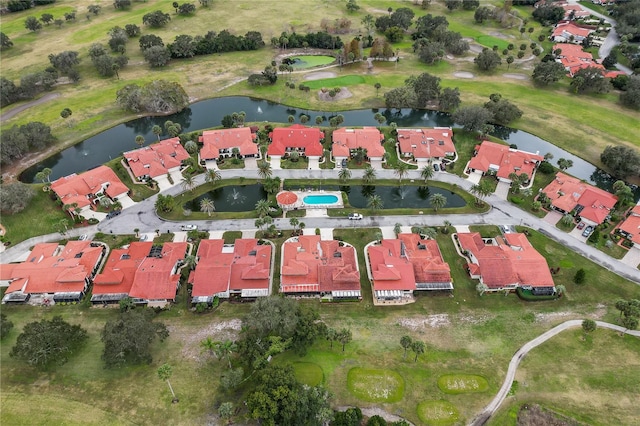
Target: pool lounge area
[(294, 200)]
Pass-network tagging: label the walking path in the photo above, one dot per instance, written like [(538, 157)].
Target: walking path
[(17, 110), (490, 409)]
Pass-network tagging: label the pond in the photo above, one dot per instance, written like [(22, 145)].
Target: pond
[(232, 198), (113, 142), (309, 61), (404, 196)]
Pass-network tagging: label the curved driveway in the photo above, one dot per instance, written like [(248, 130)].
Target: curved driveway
[(490, 409)]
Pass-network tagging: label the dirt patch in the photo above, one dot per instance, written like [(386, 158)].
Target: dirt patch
[(216, 330), (532, 415), (433, 321), (463, 74), (320, 75), (344, 93), (553, 316)]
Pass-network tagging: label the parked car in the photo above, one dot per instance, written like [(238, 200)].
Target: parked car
[(443, 167), (144, 237), (587, 231), (436, 167), (188, 227), (82, 237), (581, 225), (355, 216), (113, 214)]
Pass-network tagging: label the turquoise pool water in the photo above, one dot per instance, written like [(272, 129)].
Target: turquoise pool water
[(320, 199)]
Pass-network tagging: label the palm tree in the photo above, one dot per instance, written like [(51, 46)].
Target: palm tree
[(418, 347), (369, 175), (437, 201), (360, 154), (207, 206), (262, 208), (191, 147), (401, 170), (426, 173), (294, 156), (481, 288), (212, 176), (397, 229), (344, 175), (377, 86), (447, 225), (271, 185), (332, 336), (319, 120), (304, 119), (344, 337), (140, 140), (291, 119), (294, 222), (225, 349), (405, 342), (136, 232), (264, 169), (190, 261), (157, 130), (188, 182), (235, 151), (375, 202), (566, 220), (259, 223), (208, 345), (164, 373), (564, 164), (429, 233)]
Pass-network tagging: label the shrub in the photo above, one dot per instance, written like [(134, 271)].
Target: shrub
[(579, 276)]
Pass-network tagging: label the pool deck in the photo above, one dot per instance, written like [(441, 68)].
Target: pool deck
[(300, 204)]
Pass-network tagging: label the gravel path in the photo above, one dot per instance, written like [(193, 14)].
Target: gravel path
[(17, 110)]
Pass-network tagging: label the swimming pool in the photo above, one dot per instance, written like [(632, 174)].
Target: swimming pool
[(324, 199)]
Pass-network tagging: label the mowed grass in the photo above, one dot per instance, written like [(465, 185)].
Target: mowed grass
[(462, 383), (308, 373), (437, 413), (375, 385)]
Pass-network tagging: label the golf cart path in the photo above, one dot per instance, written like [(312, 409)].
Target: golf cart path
[(490, 409), (17, 110)]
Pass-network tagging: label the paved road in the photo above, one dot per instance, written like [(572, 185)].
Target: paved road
[(17, 110), (490, 409)]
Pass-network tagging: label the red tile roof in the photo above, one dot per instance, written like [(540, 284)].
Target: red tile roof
[(76, 188), (48, 270), (120, 269), (578, 12), (427, 143), (220, 269), (216, 140), (567, 192), (573, 58), (296, 136), (312, 265), (510, 262), (631, 225), (428, 264), (491, 155), (390, 271), (156, 159), (568, 29), (155, 277), (345, 140)]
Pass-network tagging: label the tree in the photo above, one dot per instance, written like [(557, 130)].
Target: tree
[(375, 202), (510, 60), (405, 342), (503, 111), (566, 220), (186, 9), (294, 223), (589, 80), (472, 118), (132, 30), (369, 175), (622, 161), (262, 208), (564, 164), (548, 14), (225, 411), (5, 41), (5, 326), (15, 197), (65, 61), (482, 14), (580, 276), (426, 88), (150, 40), (588, 326), (426, 173), (207, 206), (188, 182), (140, 140), (631, 96), (623, 192), (481, 288), (32, 24), (156, 19), (158, 96), (127, 339), (224, 350), (191, 147), (156, 130), (352, 6), (344, 175), (452, 4), (183, 46), (401, 170), (437, 201), (418, 347), (212, 176), (450, 99), (232, 378), (44, 174), (560, 290), (164, 373), (487, 60), (344, 336), (157, 56), (264, 169), (46, 342), (271, 184), (94, 8)]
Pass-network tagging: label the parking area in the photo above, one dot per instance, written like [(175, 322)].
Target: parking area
[(577, 234), (474, 177), (632, 258), (553, 217), (314, 164), (502, 190)]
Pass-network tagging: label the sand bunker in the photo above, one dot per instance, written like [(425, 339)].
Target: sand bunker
[(319, 75)]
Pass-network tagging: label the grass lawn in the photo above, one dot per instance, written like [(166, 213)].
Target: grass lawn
[(42, 216), (308, 373), (438, 413), (230, 237), (115, 241), (525, 202), (139, 192), (462, 383), (234, 163), (375, 385), (301, 164)]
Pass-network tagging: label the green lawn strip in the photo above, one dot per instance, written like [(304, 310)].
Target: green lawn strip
[(486, 231), (462, 383), (525, 202), (230, 237), (234, 163), (115, 240), (139, 192), (42, 216), (308, 373), (565, 228), (438, 413), (301, 164)]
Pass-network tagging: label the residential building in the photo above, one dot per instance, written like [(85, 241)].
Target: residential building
[(155, 160), (401, 266), (568, 32), (574, 11), (573, 58), (307, 141), (314, 267), (148, 274), (52, 273), (505, 263), (347, 141), (219, 144), (501, 161), (239, 270), (630, 228), (85, 190), (427, 144), (588, 203)]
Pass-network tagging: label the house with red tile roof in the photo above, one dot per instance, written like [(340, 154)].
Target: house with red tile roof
[(314, 267), (574, 11), (399, 267), (568, 32), (589, 204), (52, 273), (158, 159), (426, 143), (501, 160), (573, 58), (347, 141), (86, 189), (149, 274), (505, 263), (219, 144), (242, 269), (630, 228), (307, 141)]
